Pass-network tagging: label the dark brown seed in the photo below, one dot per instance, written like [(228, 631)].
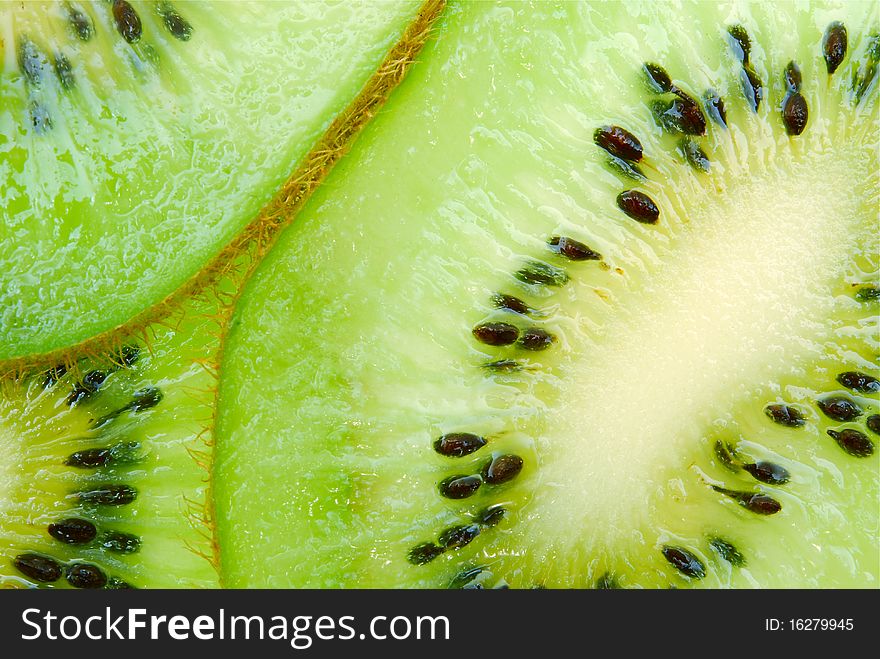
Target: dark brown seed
[(64, 71), (459, 444), (839, 408), (120, 543), (544, 274), (834, 46), (511, 303), (868, 293), (504, 366), (89, 385), (760, 504), (73, 531), (684, 561), (752, 87), (177, 25), (795, 114), (37, 567), (129, 355), (127, 21), (145, 399), (793, 77), (86, 575), (768, 472), (80, 22), (695, 155), (53, 375), (785, 415), (535, 338), (457, 537), (91, 458), (715, 107), (496, 334), (607, 582), (30, 61), (861, 382), (490, 516), (626, 169), (572, 249), (502, 469), (459, 487), (424, 553), (854, 442), (619, 142), (658, 79), (680, 115), (108, 494), (740, 42), (638, 206), (873, 423), (727, 551)]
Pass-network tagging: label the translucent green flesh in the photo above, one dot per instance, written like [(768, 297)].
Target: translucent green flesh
[(39, 430), (162, 151), (351, 349)]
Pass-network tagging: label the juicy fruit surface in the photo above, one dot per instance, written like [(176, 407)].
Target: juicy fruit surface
[(107, 465), (131, 151), (647, 452)]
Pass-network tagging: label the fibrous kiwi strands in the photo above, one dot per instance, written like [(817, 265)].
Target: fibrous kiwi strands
[(143, 137), (368, 415)]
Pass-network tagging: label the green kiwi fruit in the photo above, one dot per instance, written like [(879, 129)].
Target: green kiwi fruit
[(592, 303), (137, 139)]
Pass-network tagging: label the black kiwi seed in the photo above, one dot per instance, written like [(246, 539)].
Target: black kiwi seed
[(786, 415), (768, 472), (496, 334), (459, 487), (535, 338), (80, 22), (511, 303), (88, 386), (727, 551), (457, 537), (572, 249), (91, 458), (145, 399), (108, 494), (839, 408), (53, 375), (684, 561), (490, 516), (64, 71), (459, 444), (861, 382), (86, 575), (752, 87), (854, 442), (638, 206), (129, 355), (695, 155), (740, 42), (725, 455), (626, 169), (756, 502), (793, 77), (657, 78), (37, 567), (607, 582), (504, 366), (538, 272), (795, 113), (680, 115), (128, 23), (73, 531), (120, 543), (715, 107), (618, 142), (873, 423), (502, 469), (176, 24), (868, 293), (834, 46), (424, 553)]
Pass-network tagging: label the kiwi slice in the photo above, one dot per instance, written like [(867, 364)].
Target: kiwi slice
[(580, 309), (139, 138), (104, 480)]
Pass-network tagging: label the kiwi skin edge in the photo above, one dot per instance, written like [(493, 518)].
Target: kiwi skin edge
[(238, 259)]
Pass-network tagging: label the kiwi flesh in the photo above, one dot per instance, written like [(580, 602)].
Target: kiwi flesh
[(700, 413), (140, 138), (105, 477)]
